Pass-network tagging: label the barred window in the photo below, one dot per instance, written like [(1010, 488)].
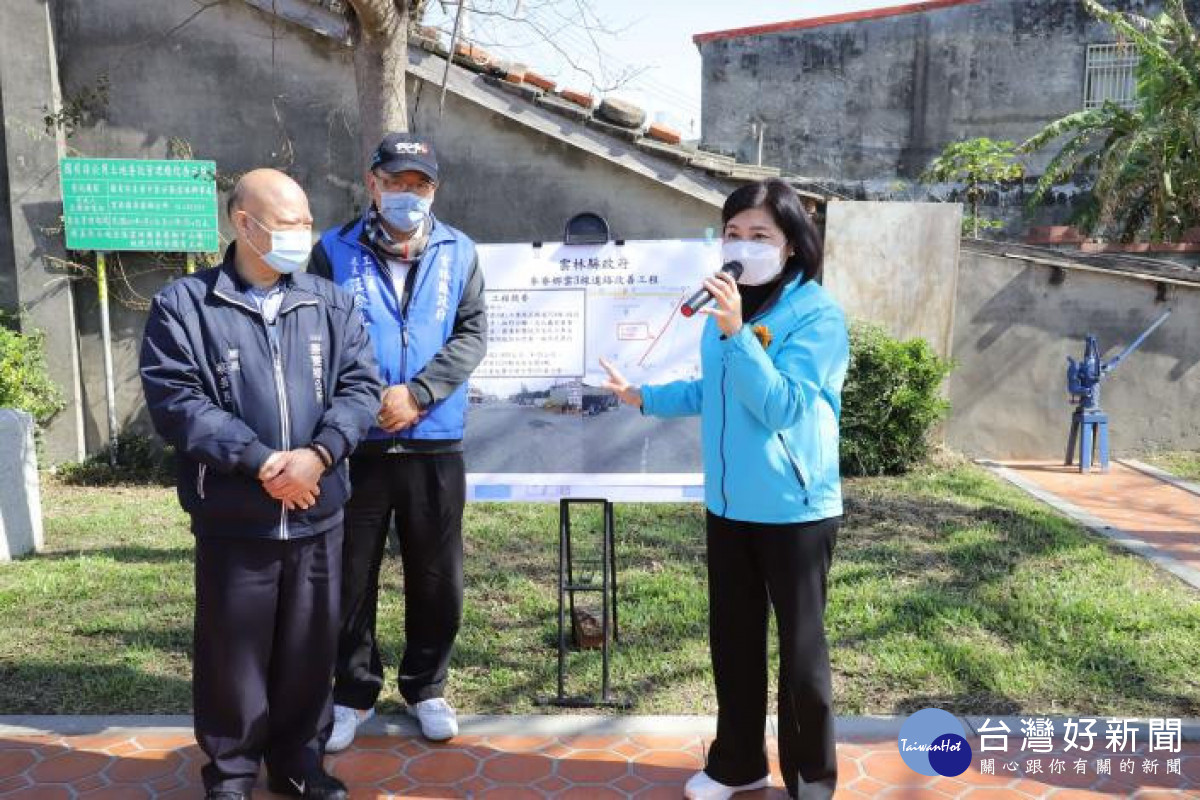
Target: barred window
[(1110, 75)]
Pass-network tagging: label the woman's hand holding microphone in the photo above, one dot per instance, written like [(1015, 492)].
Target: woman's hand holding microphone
[(728, 312)]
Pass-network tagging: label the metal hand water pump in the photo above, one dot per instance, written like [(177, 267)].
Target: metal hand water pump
[(1083, 382)]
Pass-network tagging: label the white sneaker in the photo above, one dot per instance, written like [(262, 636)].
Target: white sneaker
[(702, 787), (438, 720), (345, 724)]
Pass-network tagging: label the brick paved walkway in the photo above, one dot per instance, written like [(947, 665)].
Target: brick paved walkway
[(1147, 511), (133, 765), (1154, 517)]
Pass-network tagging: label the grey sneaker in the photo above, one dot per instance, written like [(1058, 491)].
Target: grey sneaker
[(437, 719), (345, 725)]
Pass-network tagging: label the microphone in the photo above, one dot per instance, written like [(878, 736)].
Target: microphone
[(703, 297)]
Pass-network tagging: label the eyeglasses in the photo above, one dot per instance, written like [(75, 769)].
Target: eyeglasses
[(394, 183)]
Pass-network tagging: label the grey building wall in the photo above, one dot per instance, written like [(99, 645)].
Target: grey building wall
[(1015, 324), (236, 86), (879, 98), (32, 285), (248, 89)]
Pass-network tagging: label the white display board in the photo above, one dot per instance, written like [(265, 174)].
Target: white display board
[(539, 427)]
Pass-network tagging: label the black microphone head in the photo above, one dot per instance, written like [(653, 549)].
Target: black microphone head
[(734, 268)]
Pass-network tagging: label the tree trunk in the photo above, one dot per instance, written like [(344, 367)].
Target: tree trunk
[(380, 69)]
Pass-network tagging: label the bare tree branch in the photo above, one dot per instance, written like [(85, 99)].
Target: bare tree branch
[(550, 25), (203, 7), (174, 29)]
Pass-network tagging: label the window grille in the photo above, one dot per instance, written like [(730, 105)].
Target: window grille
[(1110, 77)]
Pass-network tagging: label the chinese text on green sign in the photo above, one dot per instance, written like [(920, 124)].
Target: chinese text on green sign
[(124, 204)]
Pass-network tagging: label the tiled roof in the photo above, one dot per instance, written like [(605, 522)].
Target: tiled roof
[(608, 127), (706, 176), (832, 19), (610, 116)]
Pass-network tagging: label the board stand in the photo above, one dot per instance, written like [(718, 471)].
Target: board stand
[(569, 584)]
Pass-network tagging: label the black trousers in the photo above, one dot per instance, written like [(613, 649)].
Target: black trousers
[(751, 569), (265, 640), (426, 492)]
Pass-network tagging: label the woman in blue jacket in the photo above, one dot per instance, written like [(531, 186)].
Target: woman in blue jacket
[(774, 357)]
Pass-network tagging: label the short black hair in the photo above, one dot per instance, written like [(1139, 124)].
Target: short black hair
[(784, 205)]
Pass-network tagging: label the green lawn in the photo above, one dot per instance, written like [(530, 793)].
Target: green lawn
[(949, 588), (1184, 464)]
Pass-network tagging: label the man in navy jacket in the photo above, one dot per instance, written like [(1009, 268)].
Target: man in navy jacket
[(419, 286), (263, 381)]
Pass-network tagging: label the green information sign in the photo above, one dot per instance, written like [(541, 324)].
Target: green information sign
[(113, 204)]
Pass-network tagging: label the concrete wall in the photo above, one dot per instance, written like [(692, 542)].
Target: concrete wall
[(234, 94), (896, 264), (31, 283), (247, 89), (881, 97), (1016, 323)]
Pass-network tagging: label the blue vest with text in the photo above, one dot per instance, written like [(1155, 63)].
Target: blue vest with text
[(407, 339)]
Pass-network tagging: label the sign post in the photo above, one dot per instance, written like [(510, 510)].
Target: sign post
[(116, 204), (110, 389)]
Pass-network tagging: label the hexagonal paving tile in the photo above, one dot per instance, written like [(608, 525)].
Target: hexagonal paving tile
[(166, 767)]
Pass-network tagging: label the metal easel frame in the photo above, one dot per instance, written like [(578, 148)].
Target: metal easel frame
[(568, 586), (587, 228)]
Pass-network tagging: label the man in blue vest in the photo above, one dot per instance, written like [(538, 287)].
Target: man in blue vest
[(420, 289)]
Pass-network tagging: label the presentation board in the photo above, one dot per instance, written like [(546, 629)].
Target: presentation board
[(539, 426)]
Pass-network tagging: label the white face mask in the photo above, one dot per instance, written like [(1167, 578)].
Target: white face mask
[(761, 262), (289, 249)]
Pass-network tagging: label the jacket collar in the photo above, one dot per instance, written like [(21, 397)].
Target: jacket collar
[(230, 288), (794, 287)]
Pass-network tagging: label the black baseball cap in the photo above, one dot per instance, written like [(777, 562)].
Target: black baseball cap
[(401, 151)]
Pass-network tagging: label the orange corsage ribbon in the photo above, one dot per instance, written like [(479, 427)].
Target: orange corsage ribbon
[(764, 335)]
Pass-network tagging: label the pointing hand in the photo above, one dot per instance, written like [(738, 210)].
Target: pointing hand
[(617, 384)]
